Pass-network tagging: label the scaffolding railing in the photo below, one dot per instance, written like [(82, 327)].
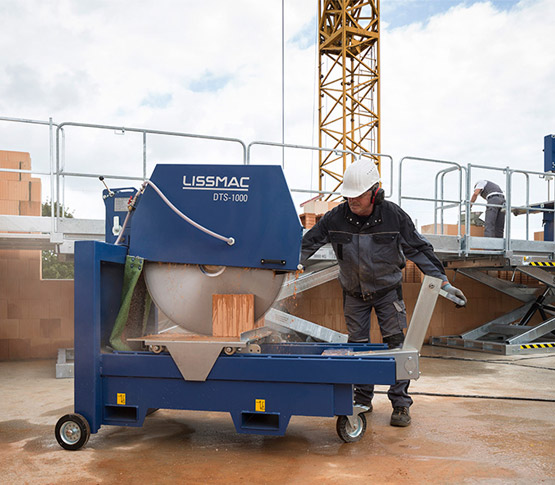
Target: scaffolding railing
[(51, 172), (468, 243), (58, 173), (337, 151)]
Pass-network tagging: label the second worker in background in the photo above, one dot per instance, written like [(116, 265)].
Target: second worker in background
[(495, 212), (371, 238)]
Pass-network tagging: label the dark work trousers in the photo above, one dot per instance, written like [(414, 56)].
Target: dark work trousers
[(392, 319), (495, 217)]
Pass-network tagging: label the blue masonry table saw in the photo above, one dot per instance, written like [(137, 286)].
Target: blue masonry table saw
[(192, 231)]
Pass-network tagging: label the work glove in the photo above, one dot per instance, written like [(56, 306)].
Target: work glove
[(454, 294)]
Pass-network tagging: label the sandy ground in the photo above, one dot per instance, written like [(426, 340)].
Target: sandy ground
[(451, 440)]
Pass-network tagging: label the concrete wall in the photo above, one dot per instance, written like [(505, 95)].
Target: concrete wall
[(36, 316)]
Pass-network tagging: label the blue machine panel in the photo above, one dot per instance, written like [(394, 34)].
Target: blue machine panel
[(289, 384), (250, 203), (549, 153), (116, 212)]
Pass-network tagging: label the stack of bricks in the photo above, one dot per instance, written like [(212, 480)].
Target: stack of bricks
[(517, 277), (314, 210), (308, 220), (411, 273), (19, 192), (452, 230), (36, 316), (322, 305)]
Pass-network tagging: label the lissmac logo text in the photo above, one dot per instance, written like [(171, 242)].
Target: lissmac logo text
[(215, 182)]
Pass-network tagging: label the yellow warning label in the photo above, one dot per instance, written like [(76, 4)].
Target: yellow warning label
[(538, 263), (537, 346), (260, 405), (121, 398)]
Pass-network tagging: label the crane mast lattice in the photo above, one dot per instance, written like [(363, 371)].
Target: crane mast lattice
[(349, 101)]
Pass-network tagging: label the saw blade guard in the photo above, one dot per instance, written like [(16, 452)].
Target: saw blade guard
[(238, 215), (214, 229)]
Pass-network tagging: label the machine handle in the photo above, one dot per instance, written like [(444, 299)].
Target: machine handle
[(281, 262)]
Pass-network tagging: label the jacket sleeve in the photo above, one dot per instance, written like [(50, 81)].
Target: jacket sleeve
[(315, 238), (418, 249)]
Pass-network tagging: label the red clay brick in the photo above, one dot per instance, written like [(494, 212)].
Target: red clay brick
[(29, 288), (10, 163), (30, 255), (67, 343), (66, 308), (30, 208), (4, 192), (9, 328), (36, 309), (29, 328), (56, 308), (11, 176), (4, 350), (19, 349), (36, 190), (35, 268), (67, 328), (41, 349), (9, 290), (18, 190), (49, 289), (16, 269), (25, 164), (50, 328), (17, 309), (3, 308), (9, 207), (14, 156), (28, 274), (9, 253)]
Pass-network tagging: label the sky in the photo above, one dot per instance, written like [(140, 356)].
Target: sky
[(467, 81)]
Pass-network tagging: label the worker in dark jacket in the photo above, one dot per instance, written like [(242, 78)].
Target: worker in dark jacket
[(495, 213), (371, 238)]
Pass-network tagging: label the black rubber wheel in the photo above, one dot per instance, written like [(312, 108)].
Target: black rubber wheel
[(348, 433), (72, 431)]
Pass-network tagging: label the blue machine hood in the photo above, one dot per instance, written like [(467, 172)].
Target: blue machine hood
[(250, 203)]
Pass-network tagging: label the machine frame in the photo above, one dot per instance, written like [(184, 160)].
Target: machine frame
[(260, 391)]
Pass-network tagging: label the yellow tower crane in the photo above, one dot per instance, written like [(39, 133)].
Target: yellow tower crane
[(349, 80)]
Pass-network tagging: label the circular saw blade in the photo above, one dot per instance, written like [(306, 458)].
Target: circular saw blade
[(183, 292)]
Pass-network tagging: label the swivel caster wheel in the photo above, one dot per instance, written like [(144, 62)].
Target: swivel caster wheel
[(157, 349), (72, 431), (351, 430)]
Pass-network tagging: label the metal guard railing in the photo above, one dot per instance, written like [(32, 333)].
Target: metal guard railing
[(58, 174)]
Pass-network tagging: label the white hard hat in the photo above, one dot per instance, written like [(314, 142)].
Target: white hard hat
[(359, 177)]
